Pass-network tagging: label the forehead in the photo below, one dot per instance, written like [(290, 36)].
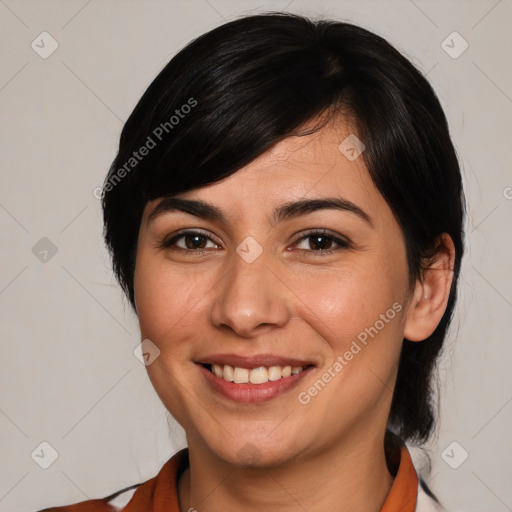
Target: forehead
[(299, 167), (314, 166)]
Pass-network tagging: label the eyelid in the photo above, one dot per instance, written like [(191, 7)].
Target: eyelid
[(324, 232)]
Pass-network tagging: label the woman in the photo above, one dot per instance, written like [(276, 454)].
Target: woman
[(285, 215)]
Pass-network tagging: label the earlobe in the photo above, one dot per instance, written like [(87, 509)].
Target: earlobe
[(431, 292)]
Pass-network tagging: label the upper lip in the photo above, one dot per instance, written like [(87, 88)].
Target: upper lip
[(254, 361)]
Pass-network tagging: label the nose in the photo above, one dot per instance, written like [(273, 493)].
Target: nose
[(250, 299)]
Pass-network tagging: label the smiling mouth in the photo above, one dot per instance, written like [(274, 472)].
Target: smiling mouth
[(259, 375)]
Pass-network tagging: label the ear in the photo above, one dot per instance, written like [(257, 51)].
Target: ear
[(431, 292)]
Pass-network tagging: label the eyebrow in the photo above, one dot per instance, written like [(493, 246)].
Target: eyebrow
[(285, 211)]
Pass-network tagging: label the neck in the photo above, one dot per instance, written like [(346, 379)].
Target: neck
[(348, 476)]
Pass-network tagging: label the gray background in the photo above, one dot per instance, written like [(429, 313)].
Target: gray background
[(68, 373)]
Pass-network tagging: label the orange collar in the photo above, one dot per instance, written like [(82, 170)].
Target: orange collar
[(403, 493), (160, 494)]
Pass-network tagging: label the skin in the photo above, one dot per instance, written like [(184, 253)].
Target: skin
[(292, 300)]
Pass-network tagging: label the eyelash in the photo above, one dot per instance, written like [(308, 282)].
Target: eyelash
[(320, 233)]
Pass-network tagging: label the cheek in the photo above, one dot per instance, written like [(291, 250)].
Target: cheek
[(359, 311), (167, 301), (166, 296), (346, 301)]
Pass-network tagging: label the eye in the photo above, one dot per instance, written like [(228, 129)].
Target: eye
[(321, 241), (190, 241), (314, 242)]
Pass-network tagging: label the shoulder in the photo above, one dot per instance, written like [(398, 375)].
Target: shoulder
[(138, 497), (111, 503), (84, 506)]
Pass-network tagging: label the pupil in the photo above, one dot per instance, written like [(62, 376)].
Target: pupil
[(195, 242), (318, 245)]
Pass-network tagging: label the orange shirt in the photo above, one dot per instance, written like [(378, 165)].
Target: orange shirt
[(160, 494)]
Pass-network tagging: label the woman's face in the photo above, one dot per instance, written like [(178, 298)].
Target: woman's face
[(293, 261)]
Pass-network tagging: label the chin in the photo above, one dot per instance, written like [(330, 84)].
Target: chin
[(256, 453)]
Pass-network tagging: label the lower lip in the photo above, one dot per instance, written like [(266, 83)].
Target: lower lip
[(252, 393)]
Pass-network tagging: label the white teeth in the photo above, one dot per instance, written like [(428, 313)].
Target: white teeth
[(217, 370), (259, 375), (286, 371), (241, 375), (274, 373), (228, 373)]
